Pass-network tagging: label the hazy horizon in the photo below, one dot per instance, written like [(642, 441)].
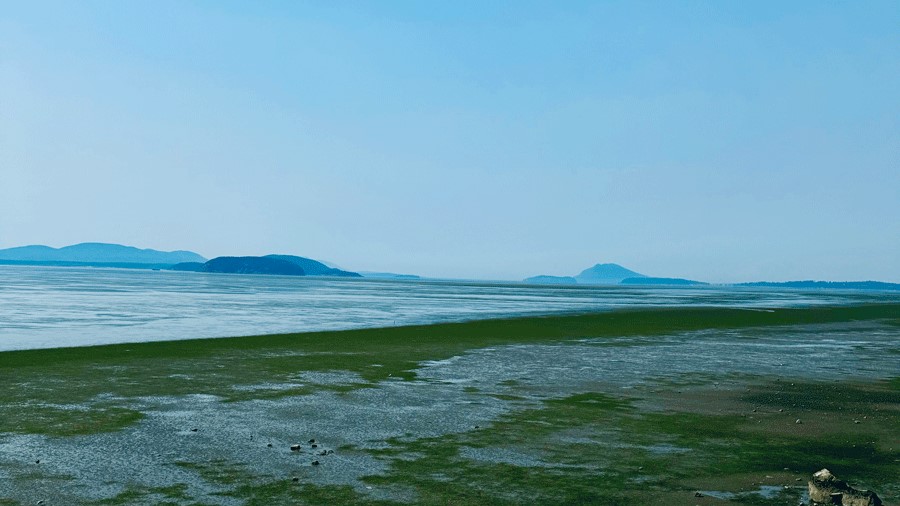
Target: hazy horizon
[(723, 142)]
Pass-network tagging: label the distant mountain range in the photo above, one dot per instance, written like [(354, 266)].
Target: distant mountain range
[(95, 254), (606, 274), (92, 254), (614, 274), (284, 265), (611, 274), (834, 285), (243, 265), (600, 274)]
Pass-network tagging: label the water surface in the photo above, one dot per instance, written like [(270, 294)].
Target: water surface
[(43, 307)]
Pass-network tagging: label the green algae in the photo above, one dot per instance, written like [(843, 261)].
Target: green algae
[(252, 489), (76, 376), (620, 453)]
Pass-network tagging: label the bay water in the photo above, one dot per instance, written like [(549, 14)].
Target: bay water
[(48, 307)]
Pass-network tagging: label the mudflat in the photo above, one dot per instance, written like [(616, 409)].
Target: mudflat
[(650, 406)]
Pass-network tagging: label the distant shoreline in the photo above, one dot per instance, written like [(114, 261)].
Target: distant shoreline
[(805, 285)]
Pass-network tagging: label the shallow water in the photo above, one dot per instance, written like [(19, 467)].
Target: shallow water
[(45, 307)]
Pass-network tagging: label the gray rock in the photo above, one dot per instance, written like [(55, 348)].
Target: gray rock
[(825, 488)]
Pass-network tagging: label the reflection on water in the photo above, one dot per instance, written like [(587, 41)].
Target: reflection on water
[(44, 307)]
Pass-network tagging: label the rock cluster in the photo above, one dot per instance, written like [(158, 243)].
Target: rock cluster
[(824, 488), (313, 444)]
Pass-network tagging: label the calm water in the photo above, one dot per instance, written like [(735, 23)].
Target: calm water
[(43, 307)]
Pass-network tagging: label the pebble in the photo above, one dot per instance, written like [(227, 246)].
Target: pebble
[(315, 462), (295, 479), (295, 448), (798, 421), (269, 445)]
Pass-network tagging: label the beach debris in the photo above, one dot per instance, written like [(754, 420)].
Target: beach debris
[(194, 430), (323, 453), (825, 488), (798, 422), (295, 448), (316, 462), (295, 479), (698, 494), (314, 446)]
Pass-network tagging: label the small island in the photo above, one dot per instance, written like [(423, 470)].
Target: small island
[(281, 265)]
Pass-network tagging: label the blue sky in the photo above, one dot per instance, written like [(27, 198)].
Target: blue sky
[(722, 141)]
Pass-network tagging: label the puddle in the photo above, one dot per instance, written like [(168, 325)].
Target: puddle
[(264, 387), (764, 491)]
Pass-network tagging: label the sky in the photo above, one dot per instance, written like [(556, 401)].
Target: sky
[(719, 140)]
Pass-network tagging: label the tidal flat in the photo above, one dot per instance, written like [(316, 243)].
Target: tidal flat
[(646, 406)]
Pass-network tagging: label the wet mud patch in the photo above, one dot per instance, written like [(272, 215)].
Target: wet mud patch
[(66, 419)]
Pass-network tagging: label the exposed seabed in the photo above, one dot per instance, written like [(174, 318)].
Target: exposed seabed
[(739, 413)]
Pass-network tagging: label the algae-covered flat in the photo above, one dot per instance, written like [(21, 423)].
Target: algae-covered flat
[(642, 406)]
